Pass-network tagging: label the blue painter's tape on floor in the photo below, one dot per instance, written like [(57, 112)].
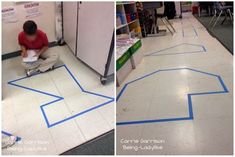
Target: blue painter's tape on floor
[(154, 121), (203, 49), (189, 96), (195, 31), (195, 34), (59, 98), (8, 134)]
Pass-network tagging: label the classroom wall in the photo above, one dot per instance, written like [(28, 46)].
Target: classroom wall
[(45, 22)]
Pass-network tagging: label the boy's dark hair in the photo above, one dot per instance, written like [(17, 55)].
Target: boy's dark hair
[(30, 27)]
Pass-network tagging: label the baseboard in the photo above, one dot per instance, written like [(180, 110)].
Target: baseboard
[(17, 53)]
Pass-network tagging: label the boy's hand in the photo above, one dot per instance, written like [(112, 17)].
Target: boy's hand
[(38, 53), (24, 54)]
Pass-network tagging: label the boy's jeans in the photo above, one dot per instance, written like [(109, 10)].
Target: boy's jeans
[(44, 63)]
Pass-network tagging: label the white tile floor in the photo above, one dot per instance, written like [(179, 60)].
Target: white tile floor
[(164, 95), (21, 114)]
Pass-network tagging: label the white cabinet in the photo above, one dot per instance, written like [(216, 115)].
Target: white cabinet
[(70, 11), (88, 31)]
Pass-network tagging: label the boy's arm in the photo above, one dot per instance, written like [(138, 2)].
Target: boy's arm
[(42, 50), (45, 43), (23, 51), (22, 47)]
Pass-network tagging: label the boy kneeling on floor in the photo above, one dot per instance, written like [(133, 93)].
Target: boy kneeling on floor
[(35, 40)]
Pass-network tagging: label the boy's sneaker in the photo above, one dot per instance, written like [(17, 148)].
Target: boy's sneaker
[(8, 141), (31, 72), (50, 69)]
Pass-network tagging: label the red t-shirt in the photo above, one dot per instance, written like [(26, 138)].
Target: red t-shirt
[(40, 41)]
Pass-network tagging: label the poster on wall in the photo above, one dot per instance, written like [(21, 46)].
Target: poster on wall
[(32, 9), (9, 15)]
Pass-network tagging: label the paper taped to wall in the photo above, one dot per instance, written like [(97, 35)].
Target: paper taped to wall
[(32, 9), (32, 56), (9, 15)]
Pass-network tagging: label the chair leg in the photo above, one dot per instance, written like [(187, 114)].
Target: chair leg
[(230, 15), (217, 19), (145, 34), (212, 19), (209, 9), (166, 19), (166, 25), (225, 18), (199, 12), (152, 28)]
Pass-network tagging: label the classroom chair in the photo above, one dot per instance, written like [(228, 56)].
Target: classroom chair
[(162, 16), (220, 9)]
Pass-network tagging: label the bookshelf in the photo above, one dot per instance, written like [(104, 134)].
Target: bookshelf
[(127, 19), (128, 39), (186, 6)]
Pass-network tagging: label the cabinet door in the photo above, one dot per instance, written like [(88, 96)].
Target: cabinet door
[(95, 30), (70, 10)]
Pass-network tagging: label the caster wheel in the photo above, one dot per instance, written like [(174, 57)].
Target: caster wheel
[(103, 80)]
